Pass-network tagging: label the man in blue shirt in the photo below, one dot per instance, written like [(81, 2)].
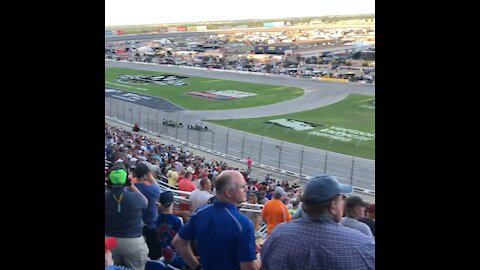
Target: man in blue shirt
[(225, 237), (149, 187), (317, 240)]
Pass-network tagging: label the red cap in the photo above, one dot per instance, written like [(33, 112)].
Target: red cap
[(110, 243)]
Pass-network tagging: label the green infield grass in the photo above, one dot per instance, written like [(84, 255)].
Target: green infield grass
[(264, 94), (347, 126)]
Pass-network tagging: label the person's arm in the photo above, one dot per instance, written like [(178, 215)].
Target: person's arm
[(252, 265), (151, 179), (133, 188), (183, 248), (246, 249)]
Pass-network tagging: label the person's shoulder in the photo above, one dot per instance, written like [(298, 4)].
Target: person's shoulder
[(345, 220), (204, 210), (172, 218), (286, 229), (136, 195), (363, 225), (243, 219), (357, 222), (291, 224), (367, 221), (141, 185), (353, 235)]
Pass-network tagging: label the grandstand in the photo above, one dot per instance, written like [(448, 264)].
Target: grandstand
[(130, 148)]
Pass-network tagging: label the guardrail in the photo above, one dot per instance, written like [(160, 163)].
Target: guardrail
[(260, 233), (302, 177)]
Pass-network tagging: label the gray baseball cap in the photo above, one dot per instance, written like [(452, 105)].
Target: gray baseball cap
[(324, 187), (279, 190)]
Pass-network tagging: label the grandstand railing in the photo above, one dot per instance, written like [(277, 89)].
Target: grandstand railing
[(184, 196)]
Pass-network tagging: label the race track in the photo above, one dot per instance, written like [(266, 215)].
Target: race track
[(288, 156)]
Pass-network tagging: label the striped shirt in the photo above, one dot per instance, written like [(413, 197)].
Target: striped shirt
[(309, 244)]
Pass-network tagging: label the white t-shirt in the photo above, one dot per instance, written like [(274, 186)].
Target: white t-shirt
[(198, 198)]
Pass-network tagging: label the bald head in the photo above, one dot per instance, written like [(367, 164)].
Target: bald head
[(226, 180), (230, 186)]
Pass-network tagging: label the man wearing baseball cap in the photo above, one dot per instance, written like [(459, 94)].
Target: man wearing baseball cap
[(123, 220), (149, 187), (275, 212), (370, 218), (329, 244), (168, 224), (355, 209)]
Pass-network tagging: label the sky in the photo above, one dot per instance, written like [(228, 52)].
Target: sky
[(134, 12)]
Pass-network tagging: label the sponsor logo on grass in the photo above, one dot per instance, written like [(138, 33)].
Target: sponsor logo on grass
[(371, 105), (125, 95), (156, 80), (221, 94), (344, 134), (295, 124)]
